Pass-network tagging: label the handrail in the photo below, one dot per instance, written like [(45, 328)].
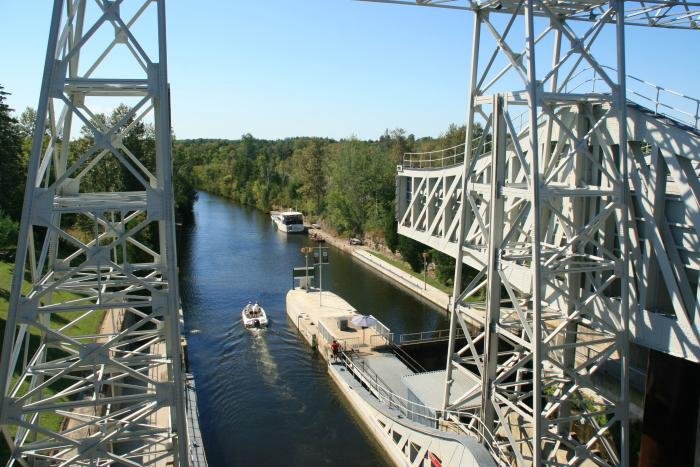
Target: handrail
[(380, 327), (325, 333), (378, 340), (656, 98), (425, 336), (421, 413), (411, 362), (438, 158)]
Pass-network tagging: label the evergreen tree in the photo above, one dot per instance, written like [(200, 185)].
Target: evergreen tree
[(12, 167)]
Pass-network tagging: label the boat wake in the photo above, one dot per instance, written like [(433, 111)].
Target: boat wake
[(266, 364)]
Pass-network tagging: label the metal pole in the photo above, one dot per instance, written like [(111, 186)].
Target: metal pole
[(165, 169), (533, 102), (495, 241), (624, 234), (457, 286), (320, 274)]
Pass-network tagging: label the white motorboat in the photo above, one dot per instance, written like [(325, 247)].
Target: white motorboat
[(253, 316), (288, 221)]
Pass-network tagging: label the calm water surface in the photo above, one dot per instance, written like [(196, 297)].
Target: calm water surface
[(265, 399)]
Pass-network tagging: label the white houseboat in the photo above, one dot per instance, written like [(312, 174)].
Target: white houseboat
[(288, 221)]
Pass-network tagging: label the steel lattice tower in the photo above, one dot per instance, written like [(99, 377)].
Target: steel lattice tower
[(547, 165), (118, 392)]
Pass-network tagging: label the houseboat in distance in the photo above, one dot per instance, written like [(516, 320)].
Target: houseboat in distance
[(288, 221)]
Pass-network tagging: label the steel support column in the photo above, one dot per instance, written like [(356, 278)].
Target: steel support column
[(91, 358)]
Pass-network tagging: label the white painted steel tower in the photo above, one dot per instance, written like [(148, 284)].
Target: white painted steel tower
[(553, 203), (72, 396)]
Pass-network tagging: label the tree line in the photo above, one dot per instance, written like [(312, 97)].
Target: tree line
[(109, 175), (346, 185)]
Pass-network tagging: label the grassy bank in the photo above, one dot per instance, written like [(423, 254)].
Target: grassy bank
[(404, 266), (89, 324)]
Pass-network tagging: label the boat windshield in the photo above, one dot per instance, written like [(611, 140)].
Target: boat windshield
[(293, 219)]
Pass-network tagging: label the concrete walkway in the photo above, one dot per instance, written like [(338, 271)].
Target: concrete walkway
[(406, 280), (310, 314), (401, 277)]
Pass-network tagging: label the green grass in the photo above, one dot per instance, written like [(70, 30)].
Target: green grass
[(88, 325), (404, 266)]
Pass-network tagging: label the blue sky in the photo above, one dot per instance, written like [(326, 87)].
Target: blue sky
[(334, 68)]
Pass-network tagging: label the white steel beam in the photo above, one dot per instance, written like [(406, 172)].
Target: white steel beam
[(91, 359)]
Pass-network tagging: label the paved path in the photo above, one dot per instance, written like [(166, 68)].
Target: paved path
[(409, 281), (406, 280)]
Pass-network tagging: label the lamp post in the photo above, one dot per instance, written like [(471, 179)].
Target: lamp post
[(321, 251), (306, 251), (425, 270)]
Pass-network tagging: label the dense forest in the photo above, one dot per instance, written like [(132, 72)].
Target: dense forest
[(348, 186), (14, 154), (109, 175)]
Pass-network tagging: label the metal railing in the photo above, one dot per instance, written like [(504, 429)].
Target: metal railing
[(408, 360), (380, 340), (669, 103), (434, 159), (428, 336), (380, 328), (324, 332), (464, 422), (666, 102), (382, 336), (350, 344), (409, 409)]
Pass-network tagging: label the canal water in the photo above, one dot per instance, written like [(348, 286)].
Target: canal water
[(265, 399)]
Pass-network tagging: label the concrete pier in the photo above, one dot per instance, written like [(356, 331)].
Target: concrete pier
[(324, 316), (373, 381)]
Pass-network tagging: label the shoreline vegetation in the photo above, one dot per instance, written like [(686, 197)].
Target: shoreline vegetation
[(346, 186), (393, 268)]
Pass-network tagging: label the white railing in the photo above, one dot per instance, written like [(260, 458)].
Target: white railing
[(667, 102), (427, 336), (467, 423), (383, 335), (324, 332), (662, 101), (380, 340), (380, 328), (434, 159)]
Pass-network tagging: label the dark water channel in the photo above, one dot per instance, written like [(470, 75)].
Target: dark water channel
[(266, 400)]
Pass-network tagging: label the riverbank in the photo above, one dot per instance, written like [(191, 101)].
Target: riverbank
[(371, 258)]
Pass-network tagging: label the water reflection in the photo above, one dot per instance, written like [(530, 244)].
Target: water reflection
[(265, 397)]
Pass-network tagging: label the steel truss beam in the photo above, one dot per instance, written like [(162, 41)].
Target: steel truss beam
[(118, 391), (544, 218), (572, 224), (550, 207), (660, 14)]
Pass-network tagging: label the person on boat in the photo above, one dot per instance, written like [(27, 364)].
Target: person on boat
[(335, 348)]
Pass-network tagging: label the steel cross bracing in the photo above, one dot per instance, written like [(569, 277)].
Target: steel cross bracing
[(674, 15), (541, 206), (73, 395)]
